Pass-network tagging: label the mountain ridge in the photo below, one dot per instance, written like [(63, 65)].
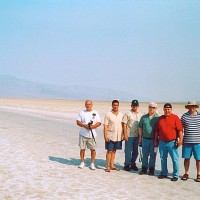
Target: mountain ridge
[(13, 87)]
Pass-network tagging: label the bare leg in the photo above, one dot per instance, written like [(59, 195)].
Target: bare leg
[(112, 159), (108, 159), (186, 165), (198, 166), (82, 154), (93, 155)]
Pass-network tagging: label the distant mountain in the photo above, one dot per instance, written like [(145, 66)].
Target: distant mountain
[(13, 87)]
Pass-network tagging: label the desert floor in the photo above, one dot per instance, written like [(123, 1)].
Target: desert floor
[(40, 157)]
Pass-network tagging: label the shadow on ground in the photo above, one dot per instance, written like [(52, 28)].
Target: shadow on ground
[(99, 163)]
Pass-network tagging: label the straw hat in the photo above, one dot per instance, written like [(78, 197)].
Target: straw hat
[(192, 103)]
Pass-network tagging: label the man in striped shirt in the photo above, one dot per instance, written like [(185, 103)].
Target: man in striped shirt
[(191, 140)]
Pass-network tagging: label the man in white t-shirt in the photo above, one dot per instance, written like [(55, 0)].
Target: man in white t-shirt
[(88, 120)]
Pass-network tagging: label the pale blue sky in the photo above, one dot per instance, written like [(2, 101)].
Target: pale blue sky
[(149, 48)]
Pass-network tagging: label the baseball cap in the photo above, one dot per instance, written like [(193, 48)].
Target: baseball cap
[(135, 103), (167, 105)]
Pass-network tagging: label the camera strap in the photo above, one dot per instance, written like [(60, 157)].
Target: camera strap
[(93, 136)]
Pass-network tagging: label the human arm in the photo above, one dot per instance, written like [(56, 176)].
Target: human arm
[(140, 130), (105, 131), (179, 125), (156, 134), (140, 135), (93, 126), (156, 139), (180, 137), (124, 128), (81, 124)]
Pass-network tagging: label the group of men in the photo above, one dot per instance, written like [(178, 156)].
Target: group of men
[(150, 131)]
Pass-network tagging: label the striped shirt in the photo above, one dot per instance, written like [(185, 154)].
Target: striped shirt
[(191, 125)]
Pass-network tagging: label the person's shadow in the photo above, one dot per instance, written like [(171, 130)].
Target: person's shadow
[(99, 163)]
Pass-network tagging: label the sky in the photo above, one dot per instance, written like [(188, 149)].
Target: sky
[(148, 48)]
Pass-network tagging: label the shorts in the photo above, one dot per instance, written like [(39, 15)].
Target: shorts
[(110, 146), (188, 149), (86, 143)]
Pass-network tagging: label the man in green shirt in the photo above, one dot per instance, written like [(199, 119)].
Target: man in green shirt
[(146, 139)]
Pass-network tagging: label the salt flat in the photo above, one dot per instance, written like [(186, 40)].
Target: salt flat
[(40, 157)]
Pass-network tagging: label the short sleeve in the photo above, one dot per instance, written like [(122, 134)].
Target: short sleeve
[(178, 124), (98, 117), (125, 118), (182, 121), (106, 119), (79, 118)]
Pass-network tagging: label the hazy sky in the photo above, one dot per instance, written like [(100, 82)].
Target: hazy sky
[(149, 48)]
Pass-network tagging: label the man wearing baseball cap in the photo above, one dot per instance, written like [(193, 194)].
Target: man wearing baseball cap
[(168, 136), (130, 123), (191, 140)]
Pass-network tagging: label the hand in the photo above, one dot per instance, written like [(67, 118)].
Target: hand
[(90, 126), (86, 126), (179, 143), (107, 139), (126, 138)]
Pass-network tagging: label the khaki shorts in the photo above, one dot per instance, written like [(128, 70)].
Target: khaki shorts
[(86, 142)]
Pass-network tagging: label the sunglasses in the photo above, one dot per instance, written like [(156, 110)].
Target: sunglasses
[(152, 107)]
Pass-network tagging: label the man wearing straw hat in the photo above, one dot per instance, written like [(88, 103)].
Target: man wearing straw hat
[(191, 140)]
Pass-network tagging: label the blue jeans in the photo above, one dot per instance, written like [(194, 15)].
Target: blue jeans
[(148, 149), (131, 151), (165, 148)]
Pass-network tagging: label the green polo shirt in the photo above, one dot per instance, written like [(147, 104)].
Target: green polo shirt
[(148, 125)]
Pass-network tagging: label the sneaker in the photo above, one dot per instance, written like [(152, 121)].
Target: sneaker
[(134, 167), (162, 176), (127, 168), (82, 165), (92, 167), (174, 179)]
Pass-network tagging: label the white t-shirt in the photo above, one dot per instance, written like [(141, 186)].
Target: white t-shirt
[(85, 117)]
